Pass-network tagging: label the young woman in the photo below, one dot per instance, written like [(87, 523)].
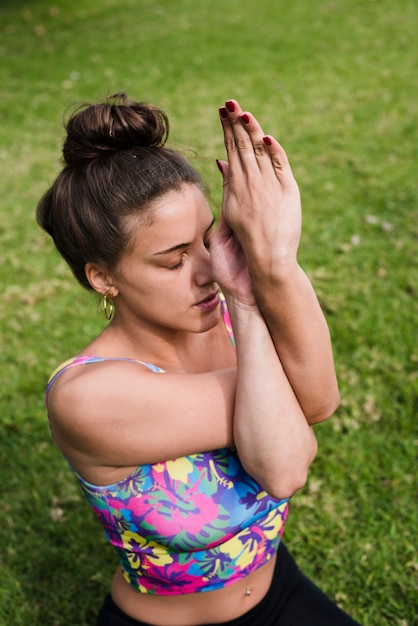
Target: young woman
[(188, 420)]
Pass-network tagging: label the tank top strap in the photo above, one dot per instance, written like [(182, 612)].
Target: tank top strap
[(227, 319), (87, 359)]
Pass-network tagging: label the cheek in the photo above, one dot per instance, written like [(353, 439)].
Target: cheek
[(161, 293)]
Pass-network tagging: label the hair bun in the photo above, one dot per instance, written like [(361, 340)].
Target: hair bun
[(116, 124)]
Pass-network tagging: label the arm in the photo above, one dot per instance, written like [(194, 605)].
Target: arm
[(114, 415), (274, 442), (302, 340), (110, 417), (262, 206)]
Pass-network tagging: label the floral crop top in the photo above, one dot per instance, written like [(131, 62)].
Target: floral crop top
[(196, 523)]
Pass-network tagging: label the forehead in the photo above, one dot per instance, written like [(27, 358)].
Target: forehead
[(177, 217)]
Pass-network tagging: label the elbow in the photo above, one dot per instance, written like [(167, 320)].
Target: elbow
[(325, 411), (286, 487), (291, 476), (287, 490), (280, 485)]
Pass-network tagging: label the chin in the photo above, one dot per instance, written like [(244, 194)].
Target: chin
[(209, 321)]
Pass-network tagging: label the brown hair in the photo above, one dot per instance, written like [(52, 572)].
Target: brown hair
[(115, 165)]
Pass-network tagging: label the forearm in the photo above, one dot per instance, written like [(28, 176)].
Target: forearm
[(274, 442), (262, 206), (301, 336)]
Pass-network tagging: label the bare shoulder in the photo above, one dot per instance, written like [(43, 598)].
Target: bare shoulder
[(122, 414), (81, 392)]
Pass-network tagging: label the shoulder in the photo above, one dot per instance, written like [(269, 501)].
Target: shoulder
[(80, 380), (89, 407), (118, 413), (80, 391)]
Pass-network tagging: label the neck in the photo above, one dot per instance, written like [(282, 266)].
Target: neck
[(175, 351)]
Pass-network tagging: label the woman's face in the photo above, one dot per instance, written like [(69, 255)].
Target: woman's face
[(165, 280)]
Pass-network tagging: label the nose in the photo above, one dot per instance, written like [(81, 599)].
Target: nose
[(203, 267)]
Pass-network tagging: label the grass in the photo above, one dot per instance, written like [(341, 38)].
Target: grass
[(337, 83)]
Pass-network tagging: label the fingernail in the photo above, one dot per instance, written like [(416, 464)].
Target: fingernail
[(245, 118), (223, 112), (267, 141), (218, 163), (230, 106)]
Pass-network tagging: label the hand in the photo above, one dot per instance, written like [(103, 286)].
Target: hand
[(229, 266), (261, 201)]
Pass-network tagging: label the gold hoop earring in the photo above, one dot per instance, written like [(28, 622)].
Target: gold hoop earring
[(108, 306)]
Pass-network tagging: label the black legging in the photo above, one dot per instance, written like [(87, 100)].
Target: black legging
[(292, 600)]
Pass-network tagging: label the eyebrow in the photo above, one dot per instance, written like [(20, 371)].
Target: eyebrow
[(181, 246)]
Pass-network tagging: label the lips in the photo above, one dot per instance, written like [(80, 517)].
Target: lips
[(211, 301), (208, 298)]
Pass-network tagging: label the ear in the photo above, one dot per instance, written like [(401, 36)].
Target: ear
[(100, 280)]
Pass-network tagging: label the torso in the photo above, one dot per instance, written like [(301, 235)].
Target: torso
[(210, 607), (189, 609), (208, 351)]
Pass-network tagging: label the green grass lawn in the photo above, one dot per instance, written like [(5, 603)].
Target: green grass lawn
[(337, 82)]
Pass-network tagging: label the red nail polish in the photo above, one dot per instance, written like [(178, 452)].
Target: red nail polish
[(245, 118), (267, 141), (230, 106), (223, 112)]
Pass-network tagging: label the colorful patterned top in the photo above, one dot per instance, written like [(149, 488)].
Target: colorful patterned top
[(196, 523)]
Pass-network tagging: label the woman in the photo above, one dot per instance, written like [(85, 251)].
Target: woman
[(190, 472)]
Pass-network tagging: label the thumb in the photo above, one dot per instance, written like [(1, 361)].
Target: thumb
[(222, 232), (223, 167)]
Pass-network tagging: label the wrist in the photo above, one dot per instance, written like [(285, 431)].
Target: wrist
[(241, 308), (266, 255), (269, 273)]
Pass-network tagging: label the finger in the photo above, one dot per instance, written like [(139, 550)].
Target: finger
[(222, 232), (241, 125), (279, 161), (256, 135), (223, 167), (247, 134), (229, 136)]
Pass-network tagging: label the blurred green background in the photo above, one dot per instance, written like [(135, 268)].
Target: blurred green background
[(336, 82)]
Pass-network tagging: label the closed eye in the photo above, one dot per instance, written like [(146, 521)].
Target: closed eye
[(179, 264)]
